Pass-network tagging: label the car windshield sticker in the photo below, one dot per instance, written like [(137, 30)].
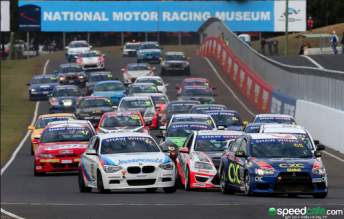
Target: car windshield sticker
[(58, 118), (48, 76), (183, 104), (96, 98), (58, 147), (258, 119), (210, 108), (190, 118), (276, 140), (174, 53), (84, 129), (204, 127), (122, 114), (148, 140), (143, 64), (217, 137), (223, 114), (92, 75), (136, 99), (197, 88)]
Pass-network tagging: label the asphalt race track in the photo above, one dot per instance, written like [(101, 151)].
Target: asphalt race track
[(57, 195)]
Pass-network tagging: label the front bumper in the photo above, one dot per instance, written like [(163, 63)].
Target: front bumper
[(39, 95), (175, 70), (57, 164), (62, 109), (93, 66)]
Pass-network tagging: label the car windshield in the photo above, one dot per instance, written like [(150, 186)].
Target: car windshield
[(138, 68), (95, 102), (109, 87), (185, 130), (43, 122), (273, 148), (90, 54), (226, 118), (71, 69), (78, 45), (155, 81), (96, 78), (44, 80), (142, 89), (121, 120), (128, 145), (305, 138), (179, 107), (175, 57), (135, 103), (210, 145), (149, 46), (278, 120), (197, 92), (193, 119), (195, 83), (66, 134), (132, 46), (66, 92), (160, 99)]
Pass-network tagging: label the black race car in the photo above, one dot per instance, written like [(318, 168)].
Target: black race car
[(69, 74), (175, 63), (94, 78), (176, 107), (202, 94)]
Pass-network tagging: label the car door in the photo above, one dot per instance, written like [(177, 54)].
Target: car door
[(232, 164), (240, 162), (87, 159), (183, 157), (94, 160)]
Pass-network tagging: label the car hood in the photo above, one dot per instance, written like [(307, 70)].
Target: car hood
[(120, 129), (48, 86), (100, 109), (67, 99), (138, 73), (290, 164), (108, 93), (56, 147), (78, 50), (215, 156), (134, 158), (171, 141), (141, 110), (202, 99), (90, 59)]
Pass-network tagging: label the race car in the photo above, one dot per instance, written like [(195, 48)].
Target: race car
[(149, 52), (253, 127), (140, 88), (130, 49), (200, 109), (174, 63), (153, 79), (94, 78), (229, 119), (92, 59), (113, 89), (274, 118), (272, 164), (195, 82), (199, 158), (160, 99), (75, 48), (192, 118), (175, 107), (145, 105), (43, 121), (41, 86), (296, 130), (60, 147), (64, 99), (177, 133), (134, 70), (126, 161), (92, 108), (71, 74), (201, 93), (129, 121)]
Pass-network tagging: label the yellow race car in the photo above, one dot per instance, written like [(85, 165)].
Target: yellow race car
[(43, 121)]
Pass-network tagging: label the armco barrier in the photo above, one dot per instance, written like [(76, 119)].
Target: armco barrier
[(254, 89), (326, 124), (282, 104)]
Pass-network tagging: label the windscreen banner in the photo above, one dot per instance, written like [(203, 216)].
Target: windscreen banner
[(169, 16), (5, 16)]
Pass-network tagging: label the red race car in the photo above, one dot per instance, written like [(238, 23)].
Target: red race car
[(130, 121), (194, 81), (60, 146)]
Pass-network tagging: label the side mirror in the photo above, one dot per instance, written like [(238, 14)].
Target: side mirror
[(67, 47), (230, 143), (240, 154), (220, 127), (162, 128), (188, 58), (122, 69), (28, 84), (160, 58), (214, 95), (316, 142), (165, 149), (103, 55), (183, 150), (157, 105), (177, 95), (35, 141), (37, 137), (55, 72), (153, 68), (148, 123), (114, 107), (31, 128), (177, 88), (317, 154), (121, 48), (320, 147), (160, 135), (214, 88), (91, 152), (244, 123)]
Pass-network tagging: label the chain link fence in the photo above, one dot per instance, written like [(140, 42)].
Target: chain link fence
[(321, 86)]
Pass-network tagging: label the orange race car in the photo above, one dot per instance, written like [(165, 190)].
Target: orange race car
[(43, 121)]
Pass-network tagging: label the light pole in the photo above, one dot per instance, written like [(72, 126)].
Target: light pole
[(286, 28)]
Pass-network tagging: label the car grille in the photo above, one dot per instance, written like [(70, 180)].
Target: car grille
[(145, 169), (134, 170), (148, 169), (166, 179), (71, 77), (176, 65), (58, 166), (201, 179), (73, 165), (141, 182), (132, 53), (149, 54), (114, 182), (293, 182), (91, 65)]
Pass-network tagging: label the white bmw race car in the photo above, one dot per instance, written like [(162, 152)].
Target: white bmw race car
[(126, 161)]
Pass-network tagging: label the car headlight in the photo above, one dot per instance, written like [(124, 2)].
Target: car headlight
[(185, 65), (111, 168), (318, 171), (265, 171), (33, 90), (62, 78), (201, 165), (84, 115), (46, 155), (171, 148), (81, 77), (166, 166)]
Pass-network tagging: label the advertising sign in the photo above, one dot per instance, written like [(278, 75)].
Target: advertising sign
[(171, 16), (5, 16), (282, 104)]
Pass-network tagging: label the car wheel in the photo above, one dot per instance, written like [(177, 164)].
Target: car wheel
[(151, 190), (82, 186), (35, 173), (223, 182), (100, 184), (32, 152), (173, 188), (68, 60), (247, 183), (187, 179), (138, 61), (320, 195)]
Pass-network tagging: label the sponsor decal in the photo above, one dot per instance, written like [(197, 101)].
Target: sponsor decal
[(141, 176), (294, 170), (233, 173), (77, 160), (258, 178), (49, 160), (294, 165), (204, 171), (140, 160), (166, 174), (249, 164), (66, 152), (29, 18), (235, 71), (199, 184)]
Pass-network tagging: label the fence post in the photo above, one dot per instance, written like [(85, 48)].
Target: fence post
[(146, 36), (11, 47), (28, 44), (122, 38), (180, 38)]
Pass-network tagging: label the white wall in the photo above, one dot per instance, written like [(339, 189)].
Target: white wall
[(325, 124)]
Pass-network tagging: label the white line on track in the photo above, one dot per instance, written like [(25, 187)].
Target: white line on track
[(313, 61), (333, 156), (22, 143), (235, 96)]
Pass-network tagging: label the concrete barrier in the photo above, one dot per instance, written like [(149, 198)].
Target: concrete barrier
[(326, 124), (325, 50)]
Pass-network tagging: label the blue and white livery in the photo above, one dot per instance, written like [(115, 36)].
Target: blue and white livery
[(149, 52)]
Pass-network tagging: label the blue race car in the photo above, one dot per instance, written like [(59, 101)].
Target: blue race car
[(71, 74), (64, 99), (149, 52), (229, 119), (41, 86), (272, 164), (253, 127), (113, 89)]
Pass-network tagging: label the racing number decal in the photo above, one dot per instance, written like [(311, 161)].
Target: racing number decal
[(233, 176)]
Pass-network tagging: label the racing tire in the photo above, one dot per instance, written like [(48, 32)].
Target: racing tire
[(68, 60), (32, 152), (100, 184), (151, 190), (187, 179), (82, 187), (223, 183), (320, 195), (247, 184), (35, 173), (138, 61), (173, 188)]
